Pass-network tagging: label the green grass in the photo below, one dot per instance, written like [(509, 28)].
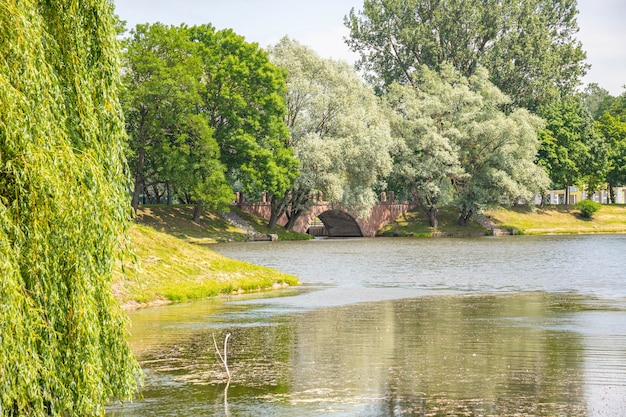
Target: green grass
[(560, 219), (414, 223), (173, 261), (176, 220)]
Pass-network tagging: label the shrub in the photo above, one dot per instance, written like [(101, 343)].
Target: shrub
[(587, 208)]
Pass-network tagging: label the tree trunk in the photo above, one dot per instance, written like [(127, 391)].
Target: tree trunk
[(157, 194), (169, 193), (147, 195), (197, 210), (466, 215), (273, 220), (138, 186), (429, 209), (611, 196), (432, 217), (291, 219), (277, 209)]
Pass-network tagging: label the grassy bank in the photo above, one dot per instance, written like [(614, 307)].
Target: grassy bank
[(415, 224), (521, 220), (175, 220), (560, 220), (174, 261)]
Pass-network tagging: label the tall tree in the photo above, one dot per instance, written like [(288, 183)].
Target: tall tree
[(453, 132), (426, 158), (243, 97), (338, 130), (171, 141), (528, 47), (597, 100), (613, 128), (63, 210), (565, 142)]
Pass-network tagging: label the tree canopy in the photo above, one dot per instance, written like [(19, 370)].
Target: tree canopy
[(243, 97), (528, 47), (612, 126), (338, 130), (205, 108), (63, 210), (565, 142), (173, 146), (456, 145)]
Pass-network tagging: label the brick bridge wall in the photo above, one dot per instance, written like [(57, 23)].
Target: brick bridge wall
[(338, 220)]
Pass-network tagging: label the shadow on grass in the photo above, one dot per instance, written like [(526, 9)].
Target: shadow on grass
[(176, 220)]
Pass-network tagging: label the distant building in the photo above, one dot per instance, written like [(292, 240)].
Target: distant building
[(576, 195)]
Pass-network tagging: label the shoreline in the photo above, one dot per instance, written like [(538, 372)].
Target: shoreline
[(176, 263)]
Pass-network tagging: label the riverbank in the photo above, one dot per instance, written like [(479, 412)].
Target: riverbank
[(414, 223), (516, 220), (559, 219), (173, 261)]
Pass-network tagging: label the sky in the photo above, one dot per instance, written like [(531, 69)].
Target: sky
[(319, 25)]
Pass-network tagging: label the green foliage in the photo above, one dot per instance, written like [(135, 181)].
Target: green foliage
[(243, 99), (63, 338), (612, 126), (597, 100), (588, 208), (456, 145), (566, 142), (528, 47), (172, 143), (205, 113), (338, 130)]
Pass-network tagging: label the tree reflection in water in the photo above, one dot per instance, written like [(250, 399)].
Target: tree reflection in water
[(473, 355)]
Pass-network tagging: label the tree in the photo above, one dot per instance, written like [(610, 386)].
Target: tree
[(454, 133), (172, 144), (614, 130), (425, 159), (529, 47), (243, 97), (565, 140), (63, 210), (597, 100), (338, 130)]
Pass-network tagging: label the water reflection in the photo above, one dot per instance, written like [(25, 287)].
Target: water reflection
[(508, 355)]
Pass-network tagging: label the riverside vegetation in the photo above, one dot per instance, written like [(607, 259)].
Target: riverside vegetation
[(174, 261)]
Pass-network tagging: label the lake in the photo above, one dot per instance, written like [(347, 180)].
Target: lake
[(490, 326)]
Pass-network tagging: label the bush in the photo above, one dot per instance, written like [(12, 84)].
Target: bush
[(587, 208)]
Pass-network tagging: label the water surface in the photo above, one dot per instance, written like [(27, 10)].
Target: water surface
[(391, 327)]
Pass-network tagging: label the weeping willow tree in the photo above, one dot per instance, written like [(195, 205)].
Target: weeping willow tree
[(63, 209)]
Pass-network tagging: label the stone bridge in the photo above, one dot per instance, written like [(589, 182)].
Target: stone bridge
[(336, 221)]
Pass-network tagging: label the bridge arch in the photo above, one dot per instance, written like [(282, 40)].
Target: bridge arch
[(340, 224), (339, 221)]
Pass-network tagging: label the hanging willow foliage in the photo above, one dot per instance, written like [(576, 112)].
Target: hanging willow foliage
[(63, 208)]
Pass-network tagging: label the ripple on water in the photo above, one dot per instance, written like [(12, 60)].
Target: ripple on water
[(508, 327)]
